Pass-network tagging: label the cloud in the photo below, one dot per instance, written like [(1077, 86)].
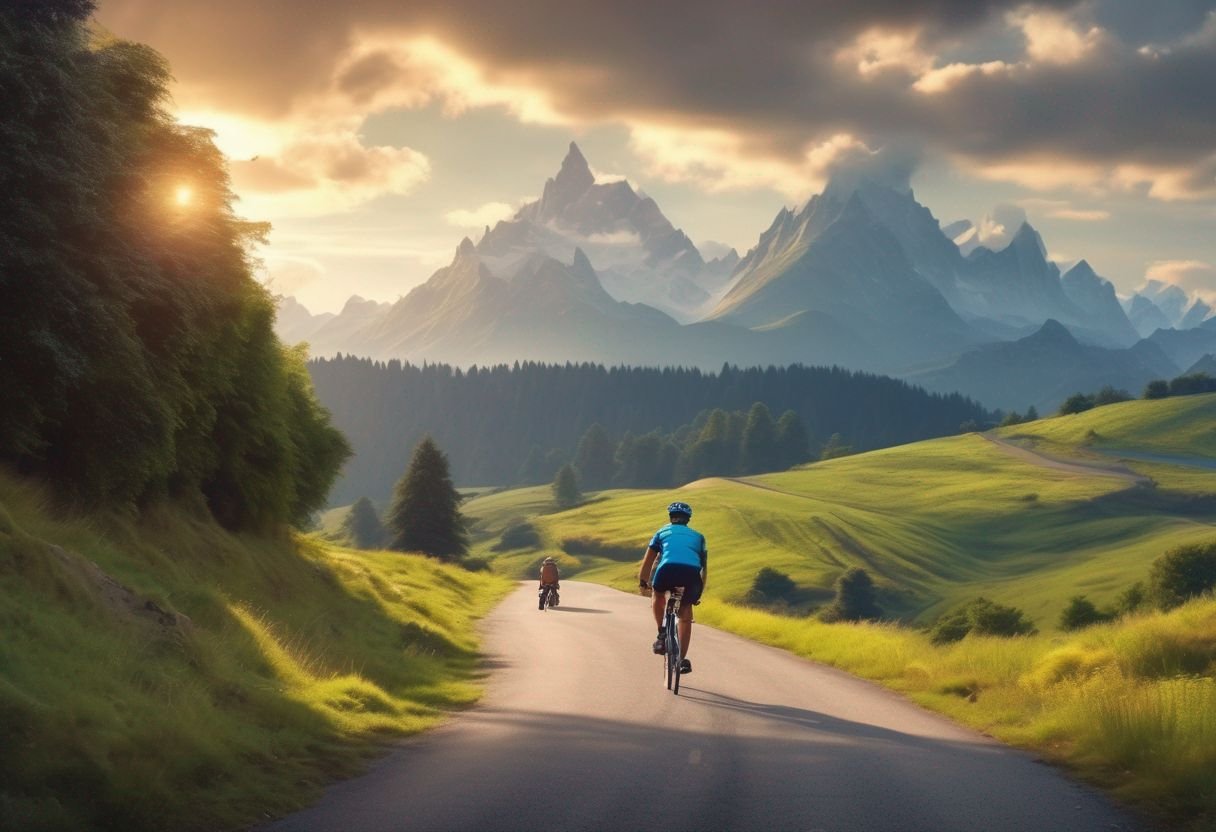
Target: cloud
[(480, 217), (996, 229), (725, 97), (287, 275), (1195, 276), (1080, 214)]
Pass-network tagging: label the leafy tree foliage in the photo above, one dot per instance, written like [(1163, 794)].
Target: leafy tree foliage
[(362, 525), (1182, 573), (835, 447), (139, 360), (1193, 384), (1132, 599), (425, 516), (856, 598), (982, 617), (1076, 403), (1081, 613), (1157, 389), (793, 442), (492, 418), (565, 487), (1111, 395)]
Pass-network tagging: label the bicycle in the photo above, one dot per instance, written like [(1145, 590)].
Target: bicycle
[(548, 596), (671, 643)]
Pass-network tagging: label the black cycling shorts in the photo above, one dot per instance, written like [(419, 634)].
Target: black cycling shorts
[(672, 575)]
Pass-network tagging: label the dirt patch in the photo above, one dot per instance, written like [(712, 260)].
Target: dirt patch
[(119, 599)]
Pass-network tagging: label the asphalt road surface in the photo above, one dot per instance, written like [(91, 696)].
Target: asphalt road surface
[(577, 731)]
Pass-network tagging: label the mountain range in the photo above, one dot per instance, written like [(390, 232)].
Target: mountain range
[(862, 276)]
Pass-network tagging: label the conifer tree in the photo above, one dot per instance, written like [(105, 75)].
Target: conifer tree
[(594, 459), (362, 525), (793, 445), (758, 451), (425, 516), (565, 487)]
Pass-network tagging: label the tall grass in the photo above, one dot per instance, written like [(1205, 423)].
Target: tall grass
[(1130, 705), (166, 674)]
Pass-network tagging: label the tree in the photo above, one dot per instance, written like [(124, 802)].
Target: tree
[(1032, 414), (1012, 418), (565, 487), (793, 443), (425, 516), (594, 459), (835, 447), (1110, 395), (855, 599), (1157, 389), (1182, 573), (1131, 599), (362, 525), (981, 617), (758, 449), (771, 585), (1081, 613), (1076, 403)]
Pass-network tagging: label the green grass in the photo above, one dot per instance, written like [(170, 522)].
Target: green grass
[(165, 674)]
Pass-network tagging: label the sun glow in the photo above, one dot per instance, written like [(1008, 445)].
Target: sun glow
[(183, 196)]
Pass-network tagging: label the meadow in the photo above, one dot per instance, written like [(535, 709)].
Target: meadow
[(164, 673), (1130, 705)]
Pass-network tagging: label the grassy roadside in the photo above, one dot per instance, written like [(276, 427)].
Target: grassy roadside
[(1130, 706), (166, 674)]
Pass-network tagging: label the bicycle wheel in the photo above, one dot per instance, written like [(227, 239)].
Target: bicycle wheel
[(673, 652)]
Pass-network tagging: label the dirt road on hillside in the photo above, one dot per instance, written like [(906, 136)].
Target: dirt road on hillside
[(578, 733)]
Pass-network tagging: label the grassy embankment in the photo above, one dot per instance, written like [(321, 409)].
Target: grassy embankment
[(166, 674), (1131, 705)]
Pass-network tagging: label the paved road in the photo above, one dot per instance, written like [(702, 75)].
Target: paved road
[(577, 732)]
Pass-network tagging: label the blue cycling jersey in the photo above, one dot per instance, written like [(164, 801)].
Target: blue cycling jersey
[(679, 544)]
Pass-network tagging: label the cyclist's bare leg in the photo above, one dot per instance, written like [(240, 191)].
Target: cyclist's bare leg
[(684, 628), (659, 606)]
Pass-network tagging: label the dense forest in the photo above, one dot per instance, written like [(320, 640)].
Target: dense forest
[(137, 357), (504, 425)]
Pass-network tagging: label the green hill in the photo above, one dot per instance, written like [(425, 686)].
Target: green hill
[(167, 674), (935, 522)]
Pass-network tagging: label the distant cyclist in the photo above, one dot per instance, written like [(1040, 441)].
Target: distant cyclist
[(550, 576), (683, 562)]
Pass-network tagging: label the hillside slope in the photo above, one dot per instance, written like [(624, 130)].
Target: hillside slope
[(169, 675), (935, 523)]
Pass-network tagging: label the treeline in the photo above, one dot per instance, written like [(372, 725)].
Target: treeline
[(715, 444), (506, 425), (1187, 385), (137, 357)]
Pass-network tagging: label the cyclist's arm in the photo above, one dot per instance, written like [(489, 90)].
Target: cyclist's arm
[(647, 566)]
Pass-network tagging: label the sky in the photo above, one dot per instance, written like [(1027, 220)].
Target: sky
[(375, 134)]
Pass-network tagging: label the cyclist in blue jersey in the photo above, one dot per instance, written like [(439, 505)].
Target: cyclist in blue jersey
[(682, 562)]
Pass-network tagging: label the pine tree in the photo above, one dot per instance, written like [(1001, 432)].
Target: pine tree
[(758, 450), (425, 516), (793, 445), (565, 487), (594, 459), (362, 525)]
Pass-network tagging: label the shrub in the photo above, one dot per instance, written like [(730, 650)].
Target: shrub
[(522, 535), (1111, 395), (771, 585), (855, 598), (982, 617), (1081, 613), (1158, 389), (1192, 384), (1182, 573), (1076, 403), (1131, 599)]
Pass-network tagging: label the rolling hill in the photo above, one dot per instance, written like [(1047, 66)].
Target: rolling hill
[(936, 522)]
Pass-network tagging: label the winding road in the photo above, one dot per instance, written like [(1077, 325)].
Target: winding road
[(577, 732)]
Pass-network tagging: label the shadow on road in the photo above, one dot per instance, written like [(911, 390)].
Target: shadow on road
[(581, 609)]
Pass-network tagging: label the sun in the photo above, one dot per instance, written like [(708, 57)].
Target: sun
[(183, 196)]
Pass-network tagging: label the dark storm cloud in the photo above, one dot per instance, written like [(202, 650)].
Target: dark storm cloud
[(767, 71)]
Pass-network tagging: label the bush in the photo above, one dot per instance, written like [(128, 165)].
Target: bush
[(855, 598), (521, 535), (1111, 395), (1192, 384), (1158, 389), (981, 617), (771, 585), (1076, 403), (1081, 613), (1183, 573), (1131, 599)]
